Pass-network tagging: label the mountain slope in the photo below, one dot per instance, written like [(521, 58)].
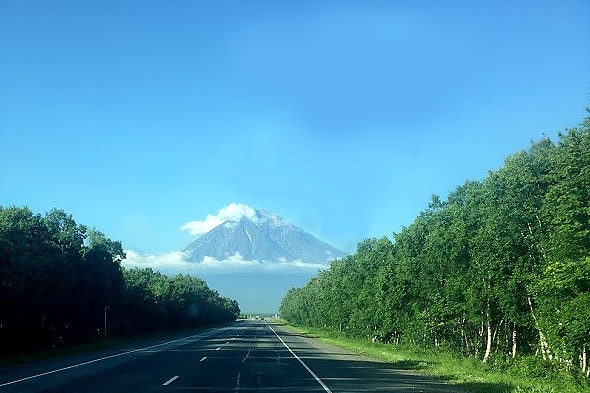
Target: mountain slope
[(263, 237)]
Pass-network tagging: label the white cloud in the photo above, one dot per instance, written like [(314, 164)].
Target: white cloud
[(175, 262), (232, 213), (171, 260), (235, 260)]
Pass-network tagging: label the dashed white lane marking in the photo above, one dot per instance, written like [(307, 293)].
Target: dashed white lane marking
[(246, 357), (203, 358), (168, 382), (301, 361), (97, 360)]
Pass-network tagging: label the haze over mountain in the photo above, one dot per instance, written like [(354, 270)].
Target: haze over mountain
[(261, 236)]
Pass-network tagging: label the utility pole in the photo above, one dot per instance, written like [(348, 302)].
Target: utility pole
[(105, 321)]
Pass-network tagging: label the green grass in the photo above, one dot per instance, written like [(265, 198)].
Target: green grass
[(467, 374)]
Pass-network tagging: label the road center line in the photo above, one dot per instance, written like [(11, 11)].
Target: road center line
[(168, 382), (246, 357), (323, 385), (237, 389)]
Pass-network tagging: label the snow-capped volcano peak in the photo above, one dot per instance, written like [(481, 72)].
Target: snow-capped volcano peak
[(265, 216), (257, 235), (260, 217)]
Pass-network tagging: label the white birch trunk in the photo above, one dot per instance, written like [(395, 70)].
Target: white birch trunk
[(479, 339), (513, 341), (544, 346), (489, 336), (584, 361), (466, 340), (495, 335), (488, 342)]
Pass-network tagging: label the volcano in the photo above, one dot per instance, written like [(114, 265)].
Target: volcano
[(263, 237)]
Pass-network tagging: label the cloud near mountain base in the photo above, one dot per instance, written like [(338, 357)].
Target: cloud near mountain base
[(175, 262)]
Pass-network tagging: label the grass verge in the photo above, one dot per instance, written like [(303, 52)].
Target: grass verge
[(468, 374)]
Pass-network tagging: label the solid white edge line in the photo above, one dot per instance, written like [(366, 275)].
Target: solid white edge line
[(98, 360), (323, 385), (168, 382)]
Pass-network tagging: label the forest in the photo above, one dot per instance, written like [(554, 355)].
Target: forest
[(499, 270), (62, 283)]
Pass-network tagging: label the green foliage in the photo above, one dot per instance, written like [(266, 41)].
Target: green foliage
[(58, 279), (499, 269), (564, 305)]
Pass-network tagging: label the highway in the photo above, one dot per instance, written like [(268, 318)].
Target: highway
[(246, 356)]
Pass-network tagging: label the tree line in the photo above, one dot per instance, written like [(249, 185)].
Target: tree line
[(500, 268), (62, 283)]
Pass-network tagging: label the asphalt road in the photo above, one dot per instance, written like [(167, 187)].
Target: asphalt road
[(246, 356)]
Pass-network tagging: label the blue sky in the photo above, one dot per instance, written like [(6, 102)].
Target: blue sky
[(344, 117)]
